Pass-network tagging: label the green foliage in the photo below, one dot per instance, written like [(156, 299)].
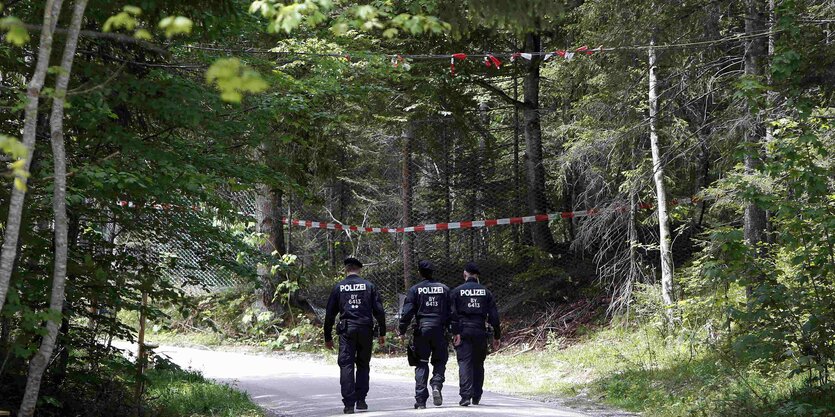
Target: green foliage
[(126, 19), (16, 33), (288, 17), (234, 78), (15, 149), (789, 315), (304, 335), (177, 393), (176, 25), (365, 17)]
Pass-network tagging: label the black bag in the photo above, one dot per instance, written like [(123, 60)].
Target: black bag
[(341, 326), (411, 355), (489, 339)]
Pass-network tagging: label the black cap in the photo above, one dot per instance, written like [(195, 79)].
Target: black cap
[(350, 261), (472, 268), (426, 266)]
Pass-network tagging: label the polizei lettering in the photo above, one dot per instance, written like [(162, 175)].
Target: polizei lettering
[(430, 290), (351, 287), (473, 292)]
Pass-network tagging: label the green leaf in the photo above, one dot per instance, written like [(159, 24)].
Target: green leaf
[(143, 34), (133, 10), (16, 33), (121, 20), (20, 184), (233, 79), (176, 25), (13, 147)]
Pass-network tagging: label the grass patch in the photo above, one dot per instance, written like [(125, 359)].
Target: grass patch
[(660, 375), (178, 393)]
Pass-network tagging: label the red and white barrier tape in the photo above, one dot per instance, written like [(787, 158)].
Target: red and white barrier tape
[(479, 223)]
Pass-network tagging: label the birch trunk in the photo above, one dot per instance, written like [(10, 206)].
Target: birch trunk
[(33, 93), (39, 362), (667, 293)]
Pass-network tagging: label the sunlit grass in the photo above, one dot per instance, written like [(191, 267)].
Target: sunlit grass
[(175, 393)]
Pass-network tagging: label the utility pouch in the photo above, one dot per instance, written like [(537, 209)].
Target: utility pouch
[(341, 326)]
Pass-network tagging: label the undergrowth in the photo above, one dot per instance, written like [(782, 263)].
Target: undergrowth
[(637, 362), (178, 393)]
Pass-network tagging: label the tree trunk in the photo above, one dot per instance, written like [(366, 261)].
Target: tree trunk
[(633, 220), (448, 159), (39, 362), (64, 356), (535, 170), (755, 217), (667, 291), (268, 222), (517, 196), (703, 174), (33, 93), (406, 190)]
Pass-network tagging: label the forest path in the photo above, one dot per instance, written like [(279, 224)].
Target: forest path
[(300, 385)]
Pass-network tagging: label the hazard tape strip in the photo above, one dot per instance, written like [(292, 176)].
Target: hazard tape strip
[(473, 224)]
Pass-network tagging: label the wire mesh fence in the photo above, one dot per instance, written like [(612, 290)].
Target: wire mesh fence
[(436, 171)]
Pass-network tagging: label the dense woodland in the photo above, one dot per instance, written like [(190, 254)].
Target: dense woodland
[(151, 144)]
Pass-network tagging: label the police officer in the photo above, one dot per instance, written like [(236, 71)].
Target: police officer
[(472, 304), (356, 300), (428, 303)]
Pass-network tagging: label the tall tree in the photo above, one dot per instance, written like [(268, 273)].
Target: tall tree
[(534, 167), (269, 224), (406, 176), (39, 362), (660, 190), (754, 218), (52, 9)]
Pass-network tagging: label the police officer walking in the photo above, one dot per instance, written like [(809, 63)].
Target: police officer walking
[(472, 304), (428, 303), (356, 300)]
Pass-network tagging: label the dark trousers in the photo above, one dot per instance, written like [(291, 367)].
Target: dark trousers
[(355, 347), (430, 342), (471, 354)]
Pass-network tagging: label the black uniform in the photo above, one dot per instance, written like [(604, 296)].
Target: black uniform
[(472, 305), (357, 301), (428, 303)]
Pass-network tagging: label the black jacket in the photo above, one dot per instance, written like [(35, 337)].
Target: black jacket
[(472, 304), (356, 300), (428, 303)]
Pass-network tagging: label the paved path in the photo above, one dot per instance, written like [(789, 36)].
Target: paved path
[(299, 386)]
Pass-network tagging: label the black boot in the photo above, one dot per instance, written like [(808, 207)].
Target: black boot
[(476, 400), (464, 402), (420, 406), (362, 405), (437, 398), (349, 409)]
